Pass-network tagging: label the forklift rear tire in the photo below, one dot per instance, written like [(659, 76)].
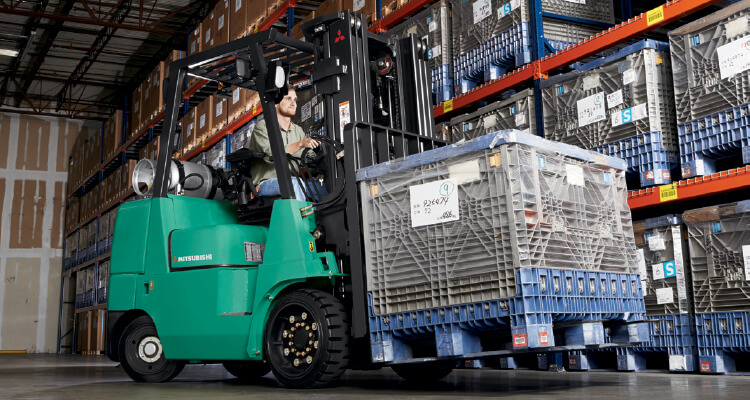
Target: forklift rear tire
[(247, 370), (142, 356), (307, 339), (424, 372)]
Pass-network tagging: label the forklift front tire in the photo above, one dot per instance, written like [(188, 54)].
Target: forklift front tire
[(142, 356), (307, 339)]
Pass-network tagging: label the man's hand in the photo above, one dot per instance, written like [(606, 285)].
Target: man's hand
[(305, 143)]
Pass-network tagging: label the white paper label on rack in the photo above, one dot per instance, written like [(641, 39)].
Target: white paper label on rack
[(628, 77), (664, 270), (434, 52), (221, 21), (358, 4), (629, 115), (746, 259), (190, 129), (489, 121), (576, 1), (237, 5), (642, 268), (590, 81), (508, 7), (591, 109), (432, 26), (306, 111), (236, 95), (664, 296), (465, 172), (434, 203), (575, 175), (614, 99), (208, 35), (482, 10), (734, 57), (219, 108), (202, 122), (656, 243), (735, 27), (520, 119)]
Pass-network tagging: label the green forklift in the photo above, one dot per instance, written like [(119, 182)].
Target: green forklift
[(204, 270)]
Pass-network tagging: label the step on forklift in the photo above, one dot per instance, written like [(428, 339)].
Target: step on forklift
[(204, 270)]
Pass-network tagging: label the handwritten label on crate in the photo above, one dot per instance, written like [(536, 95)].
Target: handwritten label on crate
[(575, 175), (656, 243), (629, 115), (664, 295), (576, 1), (508, 8), (482, 10), (667, 193), (746, 259), (432, 26), (664, 270), (614, 99), (734, 57), (434, 203), (520, 119), (591, 110), (628, 77)]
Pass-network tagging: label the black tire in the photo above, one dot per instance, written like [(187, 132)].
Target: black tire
[(424, 372), (326, 325), (142, 356), (247, 370)]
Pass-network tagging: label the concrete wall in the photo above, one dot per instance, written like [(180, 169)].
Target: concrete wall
[(33, 172)]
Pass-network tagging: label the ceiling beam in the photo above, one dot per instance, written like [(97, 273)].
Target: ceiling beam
[(63, 80), (89, 21), (49, 114)]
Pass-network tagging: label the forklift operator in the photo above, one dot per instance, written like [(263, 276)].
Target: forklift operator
[(295, 142)]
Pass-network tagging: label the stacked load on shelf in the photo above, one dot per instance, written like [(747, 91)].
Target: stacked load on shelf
[(499, 230), (711, 69), (492, 37), (516, 112), (621, 105), (719, 240), (434, 25)]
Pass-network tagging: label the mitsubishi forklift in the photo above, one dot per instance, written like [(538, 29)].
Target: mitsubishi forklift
[(204, 270)]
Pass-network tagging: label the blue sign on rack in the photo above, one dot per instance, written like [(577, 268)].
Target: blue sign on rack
[(664, 270)]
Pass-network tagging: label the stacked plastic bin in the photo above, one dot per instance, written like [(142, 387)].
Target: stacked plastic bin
[(621, 105), (434, 25), (719, 241), (102, 282), (492, 37), (712, 91), (507, 234), (516, 112)]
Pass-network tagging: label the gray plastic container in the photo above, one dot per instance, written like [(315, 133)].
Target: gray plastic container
[(516, 112)]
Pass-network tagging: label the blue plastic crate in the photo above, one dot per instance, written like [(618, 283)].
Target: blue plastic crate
[(583, 301), (101, 296), (81, 300), (718, 136), (442, 84), (722, 338), (645, 156)]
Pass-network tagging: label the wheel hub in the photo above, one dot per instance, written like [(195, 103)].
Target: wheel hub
[(300, 339), (149, 349)]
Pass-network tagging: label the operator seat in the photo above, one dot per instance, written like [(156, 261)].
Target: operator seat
[(252, 208)]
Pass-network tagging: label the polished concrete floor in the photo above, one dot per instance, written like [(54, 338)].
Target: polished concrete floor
[(79, 377)]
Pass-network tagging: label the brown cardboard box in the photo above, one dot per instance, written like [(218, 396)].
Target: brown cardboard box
[(219, 118), (146, 101), (156, 103), (207, 31), (188, 131), (366, 7), (126, 176), (253, 101), (135, 111), (237, 19), (221, 23), (204, 120), (256, 13), (112, 134), (195, 45), (297, 28), (330, 7), (236, 105), (151, 150)]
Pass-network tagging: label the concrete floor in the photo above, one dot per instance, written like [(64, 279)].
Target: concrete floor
[(79, 377)]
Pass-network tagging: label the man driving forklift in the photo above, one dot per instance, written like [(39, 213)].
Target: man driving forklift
[(295, 143)]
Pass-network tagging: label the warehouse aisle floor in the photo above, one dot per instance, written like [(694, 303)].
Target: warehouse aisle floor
[(78, 377)]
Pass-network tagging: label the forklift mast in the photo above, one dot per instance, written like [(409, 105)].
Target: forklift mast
[(377, 100)]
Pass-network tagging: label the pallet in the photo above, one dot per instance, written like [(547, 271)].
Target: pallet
[(724, 342)]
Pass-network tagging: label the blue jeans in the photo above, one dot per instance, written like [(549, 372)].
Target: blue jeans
[(270, 187)]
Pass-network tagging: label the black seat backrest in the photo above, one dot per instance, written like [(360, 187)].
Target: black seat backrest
[(245, 155)]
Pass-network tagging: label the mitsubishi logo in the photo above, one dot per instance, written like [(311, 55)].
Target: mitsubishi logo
[(339, 37)]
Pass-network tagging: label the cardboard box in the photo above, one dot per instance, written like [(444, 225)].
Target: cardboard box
[(134, 114), (297, 28), (156, 101), (236, 106), (221, 23), (195, 45), (204, 119), (219, 118), (126, 176), (237, 19), (253, 101), (112, 134), (188, 134), (151, 150), (256, 13), (207, 31)]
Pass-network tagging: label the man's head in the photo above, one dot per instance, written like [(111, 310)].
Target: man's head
[(287, 107)]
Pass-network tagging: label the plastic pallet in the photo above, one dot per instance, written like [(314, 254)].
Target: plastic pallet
[(718, 136), (723, 341), (516, 112), (582, 301), (645, 156)]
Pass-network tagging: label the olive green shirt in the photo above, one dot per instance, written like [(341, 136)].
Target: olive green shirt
[(259, 141)]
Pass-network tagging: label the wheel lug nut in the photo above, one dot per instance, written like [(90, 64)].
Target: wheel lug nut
[(286, 352), (293, 329), (285, 334), (307, 328), (291, 343), (315, 344), (310, 334), (309, 360), (304, 315), (296, 362), (314, 326), (291, 319), (310, 342), (298, 354), (297, 324)]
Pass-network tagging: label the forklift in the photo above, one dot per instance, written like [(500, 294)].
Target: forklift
[(204, 270)]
